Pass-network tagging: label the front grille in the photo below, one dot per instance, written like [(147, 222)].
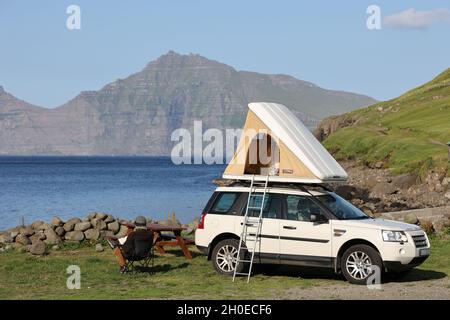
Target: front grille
[(420, 240)]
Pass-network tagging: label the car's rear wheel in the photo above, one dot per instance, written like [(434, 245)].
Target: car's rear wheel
[(358, 264), (224, 257)]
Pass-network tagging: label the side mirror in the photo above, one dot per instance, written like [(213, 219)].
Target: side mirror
[(318, 218)]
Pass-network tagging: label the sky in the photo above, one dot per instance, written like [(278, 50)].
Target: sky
[(328, 43)]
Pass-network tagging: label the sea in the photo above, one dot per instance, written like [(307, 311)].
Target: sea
[(38, 188)]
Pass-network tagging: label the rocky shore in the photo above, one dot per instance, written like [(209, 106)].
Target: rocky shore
[(376, 190), (40, 236)]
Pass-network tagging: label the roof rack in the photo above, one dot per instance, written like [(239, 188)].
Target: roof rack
[(246, 183)]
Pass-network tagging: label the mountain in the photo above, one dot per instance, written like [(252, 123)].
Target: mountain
[(136, 115), (408, 134)]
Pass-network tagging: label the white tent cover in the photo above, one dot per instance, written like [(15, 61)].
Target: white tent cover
[(299, 139)]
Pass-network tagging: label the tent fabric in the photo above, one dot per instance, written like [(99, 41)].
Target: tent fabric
[(300, 156)]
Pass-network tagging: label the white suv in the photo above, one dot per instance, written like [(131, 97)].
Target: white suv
[(308, 227)]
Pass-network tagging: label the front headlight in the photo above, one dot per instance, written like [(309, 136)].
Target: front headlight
[(394, 236)]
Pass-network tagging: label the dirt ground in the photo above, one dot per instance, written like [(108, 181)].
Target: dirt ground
[(436, 289)]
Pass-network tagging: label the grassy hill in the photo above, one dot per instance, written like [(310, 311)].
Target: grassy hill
[(406, 134)]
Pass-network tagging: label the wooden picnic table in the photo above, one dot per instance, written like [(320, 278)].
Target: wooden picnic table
[(164, 240)]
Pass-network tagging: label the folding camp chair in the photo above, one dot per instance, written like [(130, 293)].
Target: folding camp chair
[(139, 262), (143, 257)]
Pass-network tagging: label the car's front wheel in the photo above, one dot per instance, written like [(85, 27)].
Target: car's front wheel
[(224, 257), (359, 262)]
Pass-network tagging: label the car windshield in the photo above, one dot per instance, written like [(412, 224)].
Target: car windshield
[(341, 208)]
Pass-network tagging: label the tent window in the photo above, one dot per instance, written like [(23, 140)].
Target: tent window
[(262, 155)]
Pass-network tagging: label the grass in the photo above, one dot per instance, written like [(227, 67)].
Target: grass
[(409, 133), (23, 276)]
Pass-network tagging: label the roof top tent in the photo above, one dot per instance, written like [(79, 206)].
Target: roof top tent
[(275, 142)]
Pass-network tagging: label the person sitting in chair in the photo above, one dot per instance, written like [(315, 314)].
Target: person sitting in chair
[(133, 246)]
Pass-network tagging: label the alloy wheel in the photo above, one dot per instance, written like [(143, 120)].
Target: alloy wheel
[(359, 265)]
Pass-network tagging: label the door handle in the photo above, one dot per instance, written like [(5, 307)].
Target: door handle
[(289, 227)]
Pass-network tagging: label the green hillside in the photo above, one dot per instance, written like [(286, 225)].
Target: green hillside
[(408, 134)]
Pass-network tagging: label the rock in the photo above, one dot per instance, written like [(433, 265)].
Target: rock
[(447, 195), (60, 231), (74, 236), (411, 218), (446, 181), (106, 233), (36, 224), (14, 233), (441, 224), (51, 238), (82, 226), (346, 191), (169, 222), (38, 248), (92, 234), (384, 188), (99, 247), (55, 247), (5, 237), (28, 231), (378, 165), (438, 187), (109, 219), (427, 226), (123, 231), (69, 225), (23, 239), (44, 226), (38, 236), (405, 181), (367, 211), (114, 226), (99, 224), (86, 219), (101, 215), (57, 222), (92, 215)]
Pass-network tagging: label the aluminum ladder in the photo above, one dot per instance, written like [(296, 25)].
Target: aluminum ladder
[(251, 227)]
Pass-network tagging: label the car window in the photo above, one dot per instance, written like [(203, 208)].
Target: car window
[(341, 208), (225, 202), (270, 206), (300, 208)]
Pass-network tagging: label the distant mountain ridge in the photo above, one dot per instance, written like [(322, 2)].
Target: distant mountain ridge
[(136, 115)]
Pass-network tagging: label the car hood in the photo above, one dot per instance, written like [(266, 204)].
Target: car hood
[(381, 224)]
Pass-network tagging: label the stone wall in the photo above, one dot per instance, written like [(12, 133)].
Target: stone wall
[(39, 236)]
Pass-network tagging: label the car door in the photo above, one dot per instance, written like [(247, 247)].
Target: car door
[(302, 241), (268, 248)]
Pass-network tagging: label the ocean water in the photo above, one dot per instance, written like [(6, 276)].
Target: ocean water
[(38, 188)]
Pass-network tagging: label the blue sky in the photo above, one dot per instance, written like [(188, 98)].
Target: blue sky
[(324, 42)]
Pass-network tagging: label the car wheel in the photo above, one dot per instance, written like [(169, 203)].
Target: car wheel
[(224, 257), (357, 263)]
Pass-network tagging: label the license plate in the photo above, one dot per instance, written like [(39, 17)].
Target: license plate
[(424, 252)]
